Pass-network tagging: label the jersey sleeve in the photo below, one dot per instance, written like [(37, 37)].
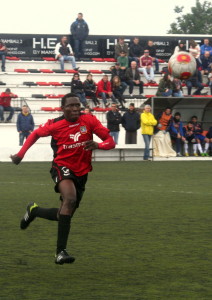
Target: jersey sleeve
[(42, 131), (103, 133)]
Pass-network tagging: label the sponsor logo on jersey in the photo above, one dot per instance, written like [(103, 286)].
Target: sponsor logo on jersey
[(73, 145), (83, 129), (75, 136)]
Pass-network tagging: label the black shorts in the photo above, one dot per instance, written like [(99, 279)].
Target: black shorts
[(60, 173)]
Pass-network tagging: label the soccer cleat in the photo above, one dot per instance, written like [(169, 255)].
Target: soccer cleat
[(28, 218), (63, 258), (186, 154), (202, 154), (206, 154), (195, 154)]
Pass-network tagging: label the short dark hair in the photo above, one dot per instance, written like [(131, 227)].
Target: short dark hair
[(177, 114), (80, 14), (194, 117), (69, 95)]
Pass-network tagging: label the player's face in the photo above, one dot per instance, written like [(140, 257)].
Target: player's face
[(71, 109)]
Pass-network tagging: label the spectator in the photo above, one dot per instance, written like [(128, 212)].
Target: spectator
[(209, 136), (113, 121), (176, 132), (121, 46), (181, 47), (133, 78), (194, 81), (25, 124), (188, 133), (90, 89), (206, 63), (117, 90), (5, 105), (123, 60), (63, 52), (152, 52), (104, 90), (162, 143), (210, 82), (131, 123), (117, 71), (205, 47), (146, 66), (197, 128), (87, 111), (135, 50), (194, 49), (79, 30), (177, 88), (148, 122), (165, 87), (78, 89), (3, 52)]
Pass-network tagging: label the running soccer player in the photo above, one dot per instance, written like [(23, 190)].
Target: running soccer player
[(72, 144)]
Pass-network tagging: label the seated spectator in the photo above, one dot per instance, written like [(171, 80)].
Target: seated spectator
[(113, 121), (87, 111), (206, 63), (194, 81), (205, 47), (210, 82), (78, 89), (197, 128), (152, 52), (133, 78), (135, 50), (162, 143), (117, 90), (188, 133), (177, 88), (123, 60), (63, 52), (146, 66), (176, 132), (5, 105), (148, 122), (25, 124), (209, 136), (181, 47), (117, 71), (104, 90), (131, 123), (165, 87), (3, 52), (194, 49), (90, 89), (121, 46)]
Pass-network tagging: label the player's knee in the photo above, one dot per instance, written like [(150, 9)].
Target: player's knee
[(69, 202)]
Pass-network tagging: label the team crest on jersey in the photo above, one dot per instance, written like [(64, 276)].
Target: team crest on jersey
[(83, 129)]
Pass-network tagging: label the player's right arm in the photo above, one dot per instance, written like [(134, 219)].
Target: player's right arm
[(42, 131)]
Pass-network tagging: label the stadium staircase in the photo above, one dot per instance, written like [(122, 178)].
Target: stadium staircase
[(40, 84)]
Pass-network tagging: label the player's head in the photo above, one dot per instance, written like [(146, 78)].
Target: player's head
[(177, 116), (168, 110), (194, 119), (70, 105)]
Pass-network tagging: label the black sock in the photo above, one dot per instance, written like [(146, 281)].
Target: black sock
[(46, 213), (64, 224)]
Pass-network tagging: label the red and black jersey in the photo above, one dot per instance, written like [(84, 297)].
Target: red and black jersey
[(68, 139)]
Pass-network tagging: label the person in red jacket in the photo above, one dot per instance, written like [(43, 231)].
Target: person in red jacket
[(105, 91), (72, 144), (5, 105)]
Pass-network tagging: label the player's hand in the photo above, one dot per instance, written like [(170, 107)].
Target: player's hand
[(90, 145), (16, 159)]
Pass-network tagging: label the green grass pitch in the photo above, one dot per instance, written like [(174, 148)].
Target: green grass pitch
[(142, 232)]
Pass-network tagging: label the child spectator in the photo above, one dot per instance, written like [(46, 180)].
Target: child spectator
[(197, 128), (78, 89), (90, 89), (123, 60)]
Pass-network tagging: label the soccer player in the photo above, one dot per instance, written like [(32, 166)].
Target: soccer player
[(199, 137), (72, 144)]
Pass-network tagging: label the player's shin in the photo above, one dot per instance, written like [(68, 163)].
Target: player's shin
[(46, 213), (64, 225)]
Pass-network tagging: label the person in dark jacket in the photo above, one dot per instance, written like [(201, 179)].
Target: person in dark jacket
[(133, 78), (90, 89), (117, 71), (136, 50), (25, 124), (113, 121), (131, 123), (79, 30), (176, 132), (78, 89), (195, 81)]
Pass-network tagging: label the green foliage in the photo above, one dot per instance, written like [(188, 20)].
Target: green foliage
[(142, 232), (199, 21)]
